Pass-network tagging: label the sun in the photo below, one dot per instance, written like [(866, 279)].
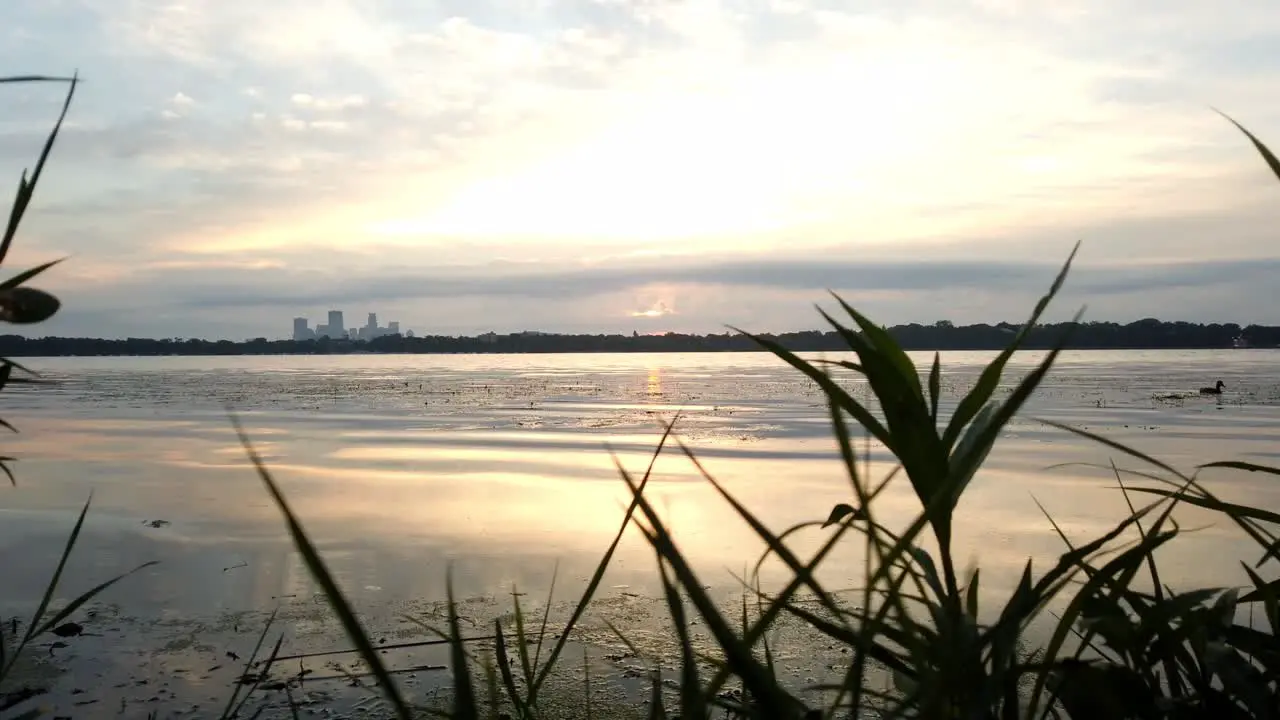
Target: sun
[(749, 158)]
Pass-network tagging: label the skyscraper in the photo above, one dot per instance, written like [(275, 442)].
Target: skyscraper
[(300, 329), (337, 329)]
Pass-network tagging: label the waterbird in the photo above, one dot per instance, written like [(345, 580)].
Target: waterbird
[(1215, 390)]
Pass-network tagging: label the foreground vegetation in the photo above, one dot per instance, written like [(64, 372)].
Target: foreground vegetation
[(1117, 649)]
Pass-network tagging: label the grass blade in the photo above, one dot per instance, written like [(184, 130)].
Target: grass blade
[(26, 275), (320, 572), (1266, 154), (935, 387), (26, 188), (603, 566), (504, 668), (464, 694), (990, 377), (52, 587), (86, 597)]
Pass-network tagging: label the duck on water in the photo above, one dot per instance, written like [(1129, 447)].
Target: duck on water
[(1215, 390)]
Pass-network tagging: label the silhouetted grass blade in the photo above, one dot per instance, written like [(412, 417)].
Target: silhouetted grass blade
[(26, 188), (1238, 465), (25, 305), (26, 275), (1267, 155), (35, 78), (52, 587), (320, 572), (772, 698), (594, 583), (464, 697), (504, 668), (972, 403)]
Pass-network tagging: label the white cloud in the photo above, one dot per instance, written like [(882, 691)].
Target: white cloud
[(558, 130)]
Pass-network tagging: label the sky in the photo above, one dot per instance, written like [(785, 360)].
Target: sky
[(603, 166)]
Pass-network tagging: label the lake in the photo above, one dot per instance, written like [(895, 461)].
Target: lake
[(500, 466)]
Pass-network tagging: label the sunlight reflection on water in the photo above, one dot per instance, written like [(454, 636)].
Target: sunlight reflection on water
[(401, 464)]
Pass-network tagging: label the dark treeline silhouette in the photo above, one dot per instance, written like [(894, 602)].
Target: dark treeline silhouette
[(942, 335)]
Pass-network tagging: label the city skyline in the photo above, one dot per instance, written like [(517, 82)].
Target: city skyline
[(336, 328)]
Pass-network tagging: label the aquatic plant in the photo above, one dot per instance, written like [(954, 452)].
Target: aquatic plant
[(20, 303), (24, 305)]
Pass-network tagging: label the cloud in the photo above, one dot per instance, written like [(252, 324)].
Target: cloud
[(373, 152), (657, 310)]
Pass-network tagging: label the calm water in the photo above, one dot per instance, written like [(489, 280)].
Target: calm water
[(399, 465)]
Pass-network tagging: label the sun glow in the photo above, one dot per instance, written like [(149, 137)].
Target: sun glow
[(745, 160), (659, 309)]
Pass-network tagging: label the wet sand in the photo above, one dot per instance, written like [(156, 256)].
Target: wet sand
[(401, 466)]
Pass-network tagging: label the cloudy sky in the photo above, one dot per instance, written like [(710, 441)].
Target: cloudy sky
[(650, 165)]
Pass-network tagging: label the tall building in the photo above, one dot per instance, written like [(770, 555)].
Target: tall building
[(335, 329), (300, 329)]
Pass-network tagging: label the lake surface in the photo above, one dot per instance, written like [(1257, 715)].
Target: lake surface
[(500, 466)]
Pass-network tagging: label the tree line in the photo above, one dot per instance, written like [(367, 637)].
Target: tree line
[(942, 335)]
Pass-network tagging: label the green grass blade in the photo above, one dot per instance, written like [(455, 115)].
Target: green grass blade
[(1116, 446), (971, 594), (320, 573), (1266, 154), (522, 640), (886, 347), (692, 703), (832, 390), (464, 696), (491, 685), (86, 597), (26, 188), (990, 377), (1237, 465), (34, 78), (772, 698), (26, 275), (935, 387), (656, 709), (601, 568), (586, 682), (52, 587), (1226, 508), (976, 444), (1133, 557), (546, 614), (232, 708), (896, 385), (504, 668), (1172, 676)]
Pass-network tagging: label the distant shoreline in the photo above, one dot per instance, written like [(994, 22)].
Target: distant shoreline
[(942, 336)]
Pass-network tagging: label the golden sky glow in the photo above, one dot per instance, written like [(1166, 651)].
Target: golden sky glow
[(307, 140)]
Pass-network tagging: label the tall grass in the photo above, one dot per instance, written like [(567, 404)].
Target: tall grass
[(25, 305), (1115, 650)]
